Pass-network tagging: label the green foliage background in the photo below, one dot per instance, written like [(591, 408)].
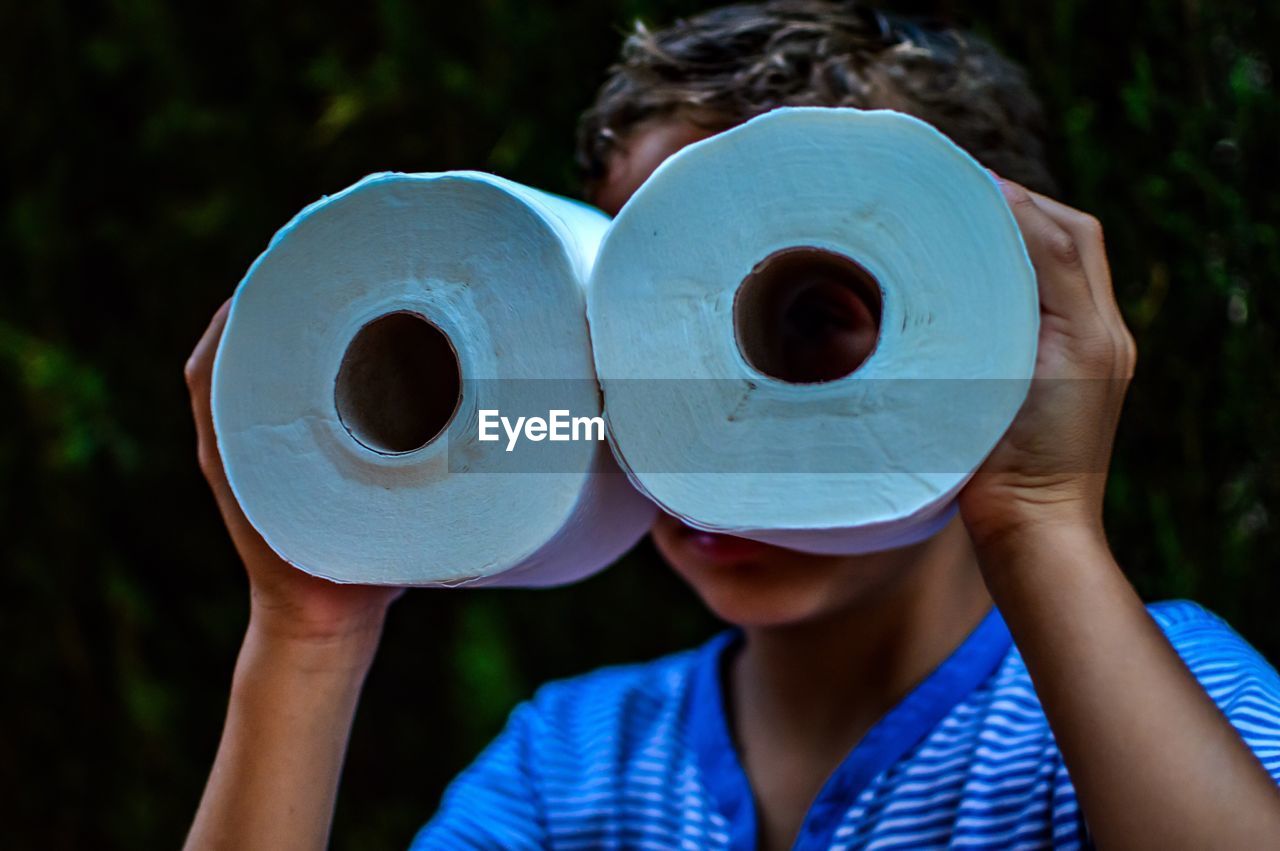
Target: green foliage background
[(150, 150)]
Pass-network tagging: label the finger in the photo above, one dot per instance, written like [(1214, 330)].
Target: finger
[(199, 373), (199, 367), (1087, 232), (1060, 273)]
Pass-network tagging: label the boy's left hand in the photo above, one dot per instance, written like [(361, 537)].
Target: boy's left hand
[(1050, 468), (1155, 763)]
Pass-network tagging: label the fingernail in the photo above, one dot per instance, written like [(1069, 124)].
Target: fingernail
[(1000, 181)]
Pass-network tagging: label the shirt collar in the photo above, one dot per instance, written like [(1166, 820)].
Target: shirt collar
[(888, 740)]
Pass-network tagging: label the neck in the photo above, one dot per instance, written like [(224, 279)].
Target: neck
[(827, 680)]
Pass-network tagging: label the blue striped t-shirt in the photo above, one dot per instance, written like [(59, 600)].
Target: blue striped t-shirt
[(641, 757)]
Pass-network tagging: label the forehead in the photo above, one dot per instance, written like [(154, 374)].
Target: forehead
[(639, 153)]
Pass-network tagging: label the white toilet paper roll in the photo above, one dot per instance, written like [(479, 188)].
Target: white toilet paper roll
[(360, 347), (682, 308)]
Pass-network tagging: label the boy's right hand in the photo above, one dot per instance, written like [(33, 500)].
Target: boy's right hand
[(285, 601)]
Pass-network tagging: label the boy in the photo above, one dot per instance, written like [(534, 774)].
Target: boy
[(999, 685)]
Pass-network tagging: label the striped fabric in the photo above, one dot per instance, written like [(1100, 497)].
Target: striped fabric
[(640, 757)]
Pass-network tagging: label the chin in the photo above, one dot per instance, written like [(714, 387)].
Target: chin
[(756, 585), (756, 597)]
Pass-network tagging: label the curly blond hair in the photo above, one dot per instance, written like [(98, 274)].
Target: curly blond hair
[(726, 65)]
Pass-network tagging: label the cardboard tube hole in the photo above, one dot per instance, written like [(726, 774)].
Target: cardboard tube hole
[(399, 384), (807, 315)]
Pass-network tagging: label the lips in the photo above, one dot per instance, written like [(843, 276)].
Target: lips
[(721, 549)]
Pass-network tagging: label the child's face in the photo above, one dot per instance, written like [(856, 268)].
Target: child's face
[(746, 582)]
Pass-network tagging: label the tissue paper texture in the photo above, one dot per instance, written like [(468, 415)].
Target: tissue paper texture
[(866, 462), (483, 283)]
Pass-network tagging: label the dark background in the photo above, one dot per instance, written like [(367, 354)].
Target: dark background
[(151, 149)]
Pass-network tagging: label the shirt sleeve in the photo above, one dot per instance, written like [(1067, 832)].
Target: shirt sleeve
[(1238, 679), (494, 803)]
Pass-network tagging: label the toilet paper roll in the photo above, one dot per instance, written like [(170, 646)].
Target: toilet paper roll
[(357, 352), (684, 309)]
